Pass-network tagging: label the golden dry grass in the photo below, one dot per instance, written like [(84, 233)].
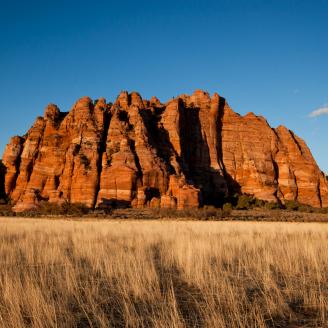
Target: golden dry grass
[(60, 273)]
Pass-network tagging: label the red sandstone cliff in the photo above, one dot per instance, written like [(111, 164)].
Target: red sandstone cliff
[(189, 151)]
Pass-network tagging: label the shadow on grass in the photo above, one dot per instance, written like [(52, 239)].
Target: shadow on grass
[(118, 307), (189, 298)]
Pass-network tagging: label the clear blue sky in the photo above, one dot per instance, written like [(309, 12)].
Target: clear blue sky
[(269, 57)]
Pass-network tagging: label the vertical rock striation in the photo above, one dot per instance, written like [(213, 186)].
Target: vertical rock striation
[(187, 152)]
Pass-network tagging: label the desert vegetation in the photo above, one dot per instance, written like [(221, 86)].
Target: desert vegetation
[(239, 207), (101, 273), (256, 210)]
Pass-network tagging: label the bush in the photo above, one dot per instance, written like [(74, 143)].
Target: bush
[(67, 209), (209, 212), (6, 210), (324, 210), (291, 205), (305, 208), (226, 209), (76, 209), (244, 202), (232, 199), (260, 203), (271, 206), (204, 213)]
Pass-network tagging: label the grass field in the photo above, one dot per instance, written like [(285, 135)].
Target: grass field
[(61, 273)]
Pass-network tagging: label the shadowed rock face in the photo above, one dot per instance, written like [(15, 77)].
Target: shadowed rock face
[(2, 181), (185, 153)]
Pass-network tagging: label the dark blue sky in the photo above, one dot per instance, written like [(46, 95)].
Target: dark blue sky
[(269, 57)]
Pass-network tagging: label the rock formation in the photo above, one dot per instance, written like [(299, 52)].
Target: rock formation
[(187, 152)]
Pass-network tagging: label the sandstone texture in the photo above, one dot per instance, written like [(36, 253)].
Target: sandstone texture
[(185, 153)]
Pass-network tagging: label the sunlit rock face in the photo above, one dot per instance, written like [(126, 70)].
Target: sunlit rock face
[(185, 153)]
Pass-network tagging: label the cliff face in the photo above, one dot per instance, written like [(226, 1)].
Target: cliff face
[(187, 152)]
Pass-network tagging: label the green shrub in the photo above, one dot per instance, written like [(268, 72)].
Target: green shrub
[(67, 209), (47, 208), (6, 210), (271, 206), (226, 209), (291, 205), (209, 212), (244, 202), (76, 209), (204, 213), (232, 199), (259, 203), (305, 208)]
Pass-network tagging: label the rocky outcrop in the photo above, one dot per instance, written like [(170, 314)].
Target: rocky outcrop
[(272, 164), (187, 152)]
